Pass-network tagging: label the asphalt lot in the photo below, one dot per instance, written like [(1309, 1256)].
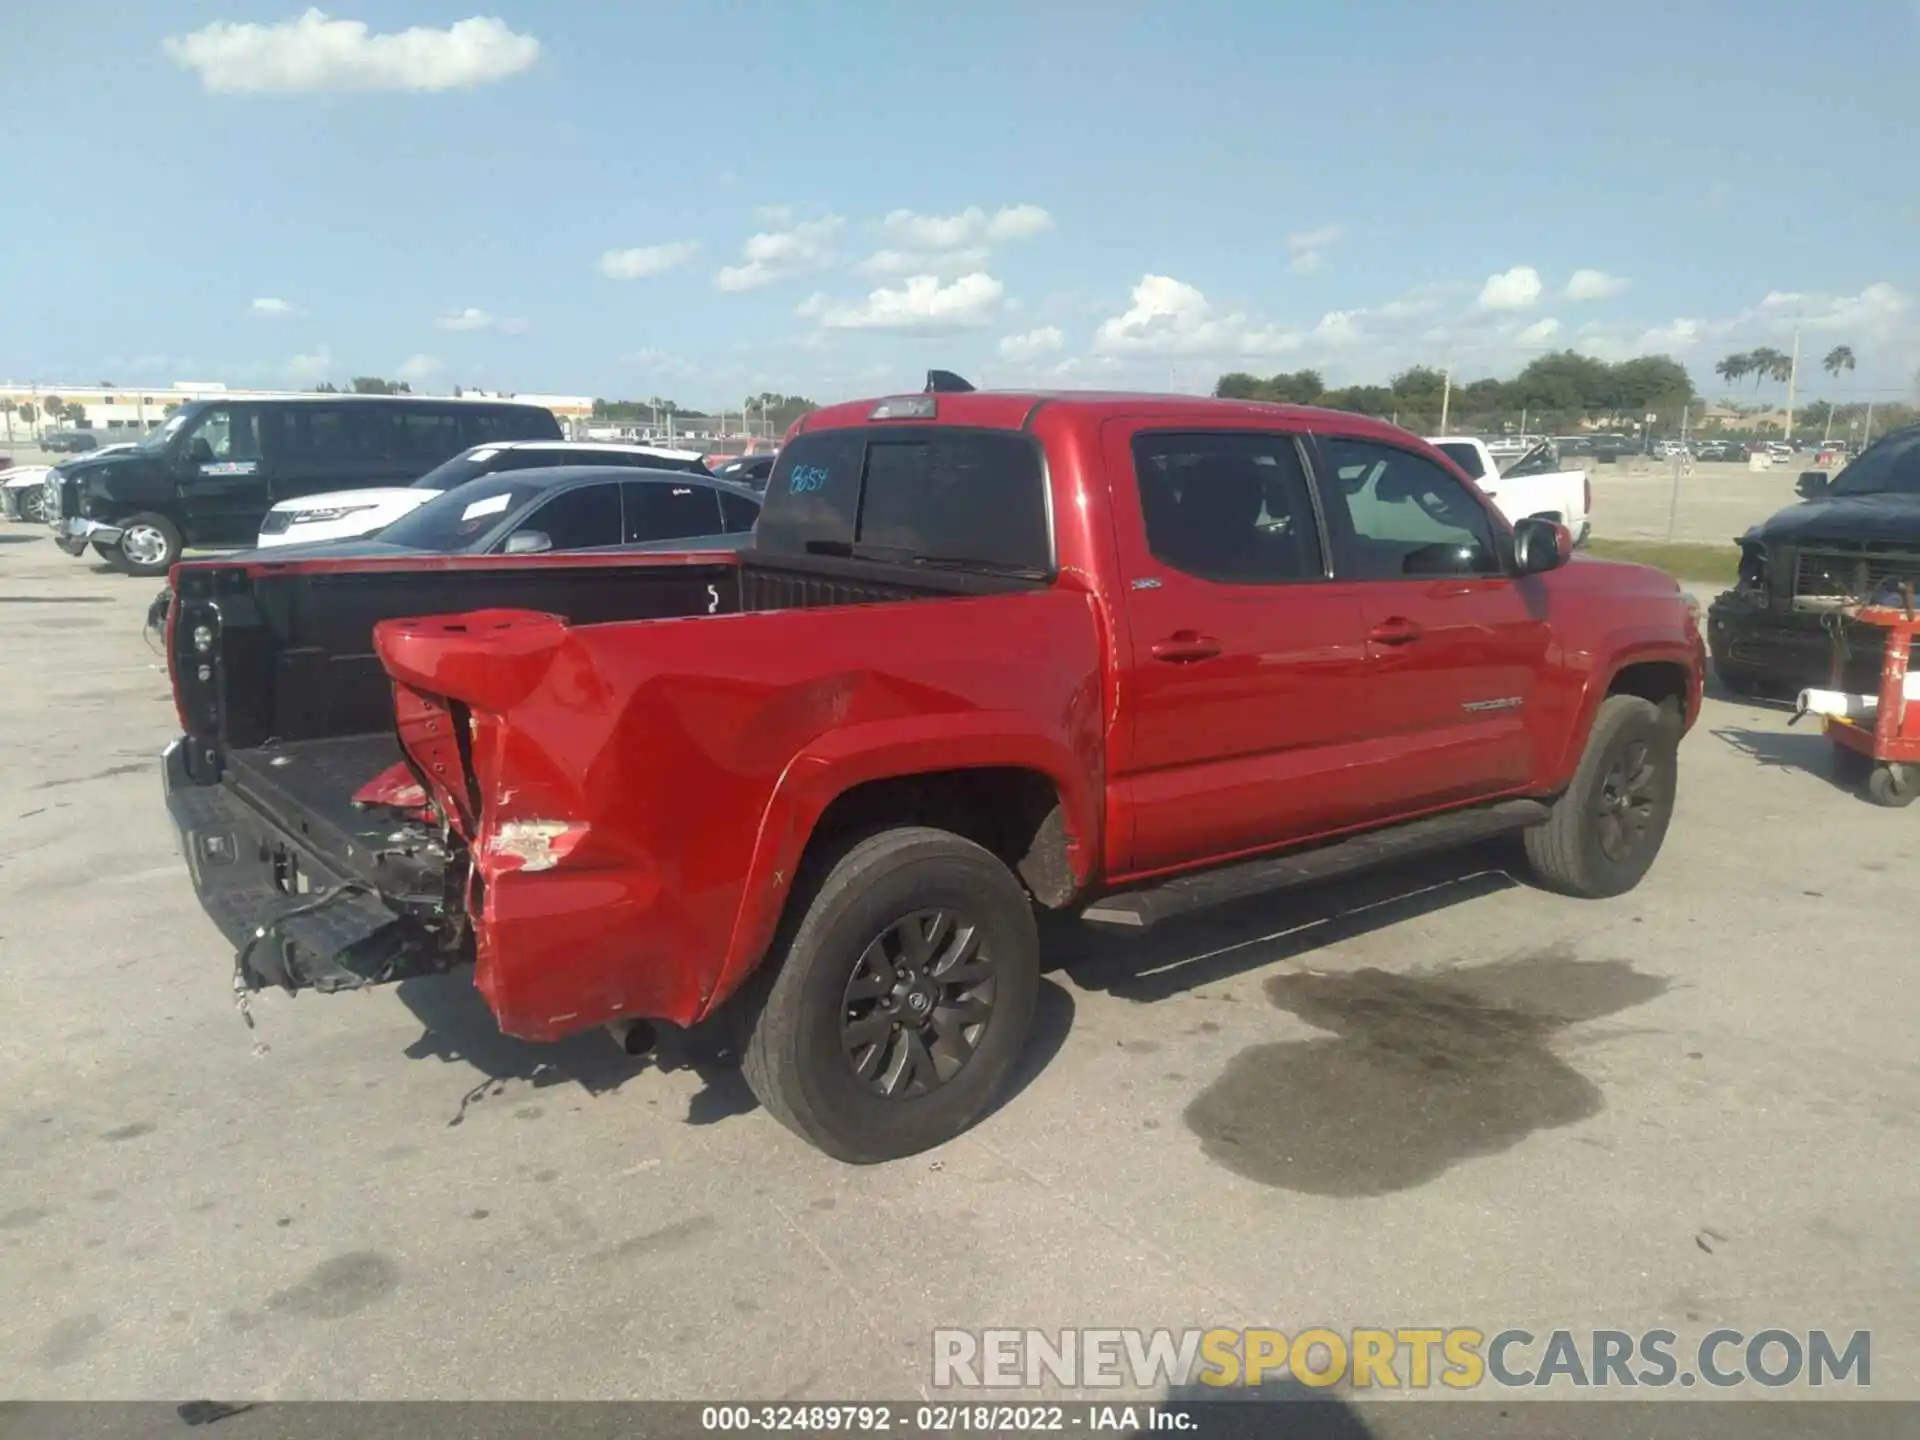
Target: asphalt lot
[(1637, 500), (1706, 1117)]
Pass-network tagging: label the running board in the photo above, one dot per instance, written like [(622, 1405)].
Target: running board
[(1141, 909)]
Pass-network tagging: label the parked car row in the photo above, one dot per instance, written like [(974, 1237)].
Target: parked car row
[(302, 470)]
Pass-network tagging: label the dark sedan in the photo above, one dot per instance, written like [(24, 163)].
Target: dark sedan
[(564, 509)]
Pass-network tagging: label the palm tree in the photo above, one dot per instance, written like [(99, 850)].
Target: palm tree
[(1769, 364), (1839, 358), (1734, 367)]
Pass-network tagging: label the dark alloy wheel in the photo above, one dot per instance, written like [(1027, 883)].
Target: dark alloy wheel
[(896, 1000), (1625, 807), (1603, 833), (918, 1001)]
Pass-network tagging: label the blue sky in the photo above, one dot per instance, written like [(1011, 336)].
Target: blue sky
[(566, 196)]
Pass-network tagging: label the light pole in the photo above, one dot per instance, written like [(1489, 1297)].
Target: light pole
[(1793, 374)]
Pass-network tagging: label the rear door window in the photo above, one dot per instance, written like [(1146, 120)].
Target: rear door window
[(584, 518), (1232, 507), (738, 511), (662, 510)]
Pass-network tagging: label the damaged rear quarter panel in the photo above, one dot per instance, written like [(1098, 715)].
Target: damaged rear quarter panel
[(701, 752)]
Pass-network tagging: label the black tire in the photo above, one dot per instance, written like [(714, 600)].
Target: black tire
[(1595, 844), (144, 558), (1893, 785), (797, 1054)]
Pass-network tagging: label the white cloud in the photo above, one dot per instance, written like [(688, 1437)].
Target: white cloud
[(316, 53), (922, 303), (1309, 247), (1781, 299), (652, 361), (950, 245), (1594, 285), (972, 226), (1874, 314), (643, 261), (1681, 334), (1171, 317), (416, 369), (1339, 327), (474, 318), (782, 254), (1032, 345), (310, 368), (269, 308), (1514, 289), (1539, 332), (886, 263)]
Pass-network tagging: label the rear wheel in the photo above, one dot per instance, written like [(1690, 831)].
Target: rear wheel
[(1893, 784), (149, 545), (901, 999), (1603, 834)]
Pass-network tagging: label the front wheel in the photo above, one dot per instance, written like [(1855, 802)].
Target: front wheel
[(902, 998), (1603, 834), (149, 545)]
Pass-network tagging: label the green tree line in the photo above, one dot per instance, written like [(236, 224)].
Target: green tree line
[(1555, 391)]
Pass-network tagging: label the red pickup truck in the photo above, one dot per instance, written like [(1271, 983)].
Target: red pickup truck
[(1120, 655)]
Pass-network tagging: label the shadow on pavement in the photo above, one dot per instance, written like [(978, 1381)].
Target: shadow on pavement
[(457, 1028)]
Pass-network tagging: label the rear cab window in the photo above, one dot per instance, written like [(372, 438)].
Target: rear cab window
[(1466, 456), (926, 494)]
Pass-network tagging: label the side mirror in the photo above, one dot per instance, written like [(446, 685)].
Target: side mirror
[(1812, 483), (527, 542), (1540, 545)]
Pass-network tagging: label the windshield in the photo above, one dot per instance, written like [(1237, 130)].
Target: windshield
[(1890, 467), (459, 517), (157, 439), (457, 471)]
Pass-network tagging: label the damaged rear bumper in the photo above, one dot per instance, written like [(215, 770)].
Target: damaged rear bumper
[(295, 921)]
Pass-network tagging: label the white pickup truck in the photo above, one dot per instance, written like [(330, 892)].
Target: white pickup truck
[(1529, 485)]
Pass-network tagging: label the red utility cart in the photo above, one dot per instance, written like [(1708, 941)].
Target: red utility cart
[(1884, 748)]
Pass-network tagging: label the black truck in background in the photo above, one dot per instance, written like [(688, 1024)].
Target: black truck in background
[(1854, 536), (210, 474)]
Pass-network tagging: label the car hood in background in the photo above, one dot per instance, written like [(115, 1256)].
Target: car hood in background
[(341, 499), (1886, 516)]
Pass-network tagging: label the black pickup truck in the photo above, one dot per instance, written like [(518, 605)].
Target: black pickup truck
[(1855, 536)]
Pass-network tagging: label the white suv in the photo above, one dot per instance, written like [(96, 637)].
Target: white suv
[(345, 514)]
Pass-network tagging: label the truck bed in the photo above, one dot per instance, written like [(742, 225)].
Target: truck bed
[(289, 713), (307, 786)]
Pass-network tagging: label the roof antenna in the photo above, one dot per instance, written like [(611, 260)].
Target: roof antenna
[(945, 382)]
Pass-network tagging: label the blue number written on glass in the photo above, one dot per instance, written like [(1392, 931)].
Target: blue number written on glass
[(806, 479)]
